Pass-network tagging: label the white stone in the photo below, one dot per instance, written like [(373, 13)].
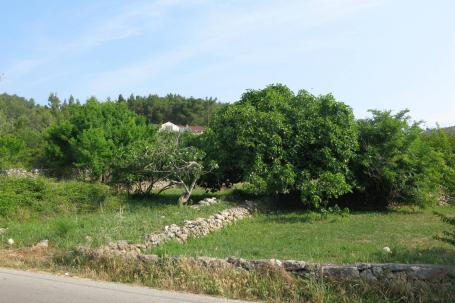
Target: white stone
[(387, 250), (42, 243)]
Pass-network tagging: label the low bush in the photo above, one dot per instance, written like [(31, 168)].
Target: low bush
[(25, 198)]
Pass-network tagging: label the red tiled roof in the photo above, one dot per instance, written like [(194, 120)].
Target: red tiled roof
[(197, 129)]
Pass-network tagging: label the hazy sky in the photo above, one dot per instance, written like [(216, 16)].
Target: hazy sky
[(384, 54)]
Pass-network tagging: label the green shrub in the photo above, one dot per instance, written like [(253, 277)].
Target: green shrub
[(85, 196), (24, 198), (396, 163), (443, 142)]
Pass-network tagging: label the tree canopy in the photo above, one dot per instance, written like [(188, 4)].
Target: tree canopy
[(89, 136), (274, 141), (282, 143)]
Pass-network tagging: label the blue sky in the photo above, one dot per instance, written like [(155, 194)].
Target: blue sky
[(384, 54)]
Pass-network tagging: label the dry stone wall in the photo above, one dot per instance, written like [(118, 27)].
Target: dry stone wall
[(189, 229), (20, 172), (199, 227), (203, 226), (365, 271)]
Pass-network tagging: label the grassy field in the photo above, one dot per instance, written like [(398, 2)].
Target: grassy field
[(73, 213), (118, 217), (358, 237)]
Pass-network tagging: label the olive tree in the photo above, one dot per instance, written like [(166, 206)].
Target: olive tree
[(169, 159), (140, 166)]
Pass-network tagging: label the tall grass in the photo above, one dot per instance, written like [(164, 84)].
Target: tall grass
[(71, 213)]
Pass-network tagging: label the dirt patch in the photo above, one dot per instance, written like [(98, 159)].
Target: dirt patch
[(25, 256)]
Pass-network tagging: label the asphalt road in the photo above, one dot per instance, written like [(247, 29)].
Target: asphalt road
[(30, 287)]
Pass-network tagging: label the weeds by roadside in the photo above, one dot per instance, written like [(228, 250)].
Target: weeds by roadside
[(268, 283)]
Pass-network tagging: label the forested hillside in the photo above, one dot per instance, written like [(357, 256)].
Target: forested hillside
[(174, 108)]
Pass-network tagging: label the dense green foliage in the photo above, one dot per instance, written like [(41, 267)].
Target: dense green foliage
[(281, 143), (278, 143), (174, 108), (22, 123), (443, 142), (88, 137), (273, 142), (399, 163), (138, 167)]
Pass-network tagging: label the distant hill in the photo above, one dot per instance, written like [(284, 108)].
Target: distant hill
[(450, 130), (18, 113), (174, 108), (156, 109)]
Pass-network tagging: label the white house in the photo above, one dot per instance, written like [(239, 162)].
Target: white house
[(169, 126)]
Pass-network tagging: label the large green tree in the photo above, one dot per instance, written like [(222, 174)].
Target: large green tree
[(86, 139), (282, 143)]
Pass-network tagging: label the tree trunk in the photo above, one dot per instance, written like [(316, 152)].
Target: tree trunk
[(183, 199)]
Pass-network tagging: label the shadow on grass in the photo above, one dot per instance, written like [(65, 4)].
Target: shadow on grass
[(289, 217), (437, 255), (170, 197), (152, 200)]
